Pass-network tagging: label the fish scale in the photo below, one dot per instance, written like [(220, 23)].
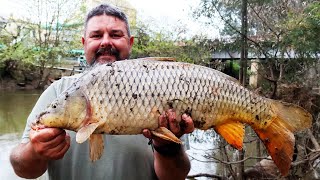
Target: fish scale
[(128, 96)]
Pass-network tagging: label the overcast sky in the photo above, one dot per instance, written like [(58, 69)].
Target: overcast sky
[(164, 14), (173, 13)]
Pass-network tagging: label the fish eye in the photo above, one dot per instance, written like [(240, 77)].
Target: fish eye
[(54, 106)]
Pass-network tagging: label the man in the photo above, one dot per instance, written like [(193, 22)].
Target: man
[(106, 39)]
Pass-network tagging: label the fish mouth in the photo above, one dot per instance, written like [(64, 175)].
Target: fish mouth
[(37, 126), (38, 123), (40, 116)]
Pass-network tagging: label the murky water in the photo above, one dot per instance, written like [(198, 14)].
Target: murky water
[(14, 110)]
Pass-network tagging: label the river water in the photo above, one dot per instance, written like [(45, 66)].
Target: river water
[(15, 108)]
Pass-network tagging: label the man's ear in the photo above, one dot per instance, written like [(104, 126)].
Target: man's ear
[(82, 40), (131, 41)]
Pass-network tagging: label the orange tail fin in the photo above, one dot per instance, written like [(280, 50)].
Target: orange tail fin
[(278, 137)]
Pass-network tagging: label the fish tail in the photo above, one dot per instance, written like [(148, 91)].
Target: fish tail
[(278, 136)]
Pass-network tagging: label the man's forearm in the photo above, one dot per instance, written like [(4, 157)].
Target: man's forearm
[(172, 167), (26, 163)]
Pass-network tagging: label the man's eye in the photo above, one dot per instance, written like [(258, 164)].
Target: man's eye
[(95, 36), (116, 36)]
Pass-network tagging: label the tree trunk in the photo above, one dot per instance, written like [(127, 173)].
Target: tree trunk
[(244, 46), (243, 69)]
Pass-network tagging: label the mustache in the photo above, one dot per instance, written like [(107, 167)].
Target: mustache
[(108, 51)]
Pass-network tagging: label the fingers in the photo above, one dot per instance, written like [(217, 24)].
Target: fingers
[(178, 126), (173, 122), (163, 121), (147, 133), (61, 138), (187, 124), (59, 151), (50, 143), (45, 134), (170, 120)]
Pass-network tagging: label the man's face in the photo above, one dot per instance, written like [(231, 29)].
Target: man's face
[(106, 40)]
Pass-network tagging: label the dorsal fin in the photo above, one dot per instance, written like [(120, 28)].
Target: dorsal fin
[(172, 59)]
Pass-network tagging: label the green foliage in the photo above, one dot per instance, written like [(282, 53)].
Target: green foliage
[(11, 47), (42, 40), (15, 52), (161, 44), (303, 31)]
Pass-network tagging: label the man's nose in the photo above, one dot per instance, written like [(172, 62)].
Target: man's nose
[(105, 41)]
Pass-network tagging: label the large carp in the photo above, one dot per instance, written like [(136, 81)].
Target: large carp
[(128, 96)]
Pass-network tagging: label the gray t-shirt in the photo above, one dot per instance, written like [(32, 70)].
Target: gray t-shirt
[(125, 156)]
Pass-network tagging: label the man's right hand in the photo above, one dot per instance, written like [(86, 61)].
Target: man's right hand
[(30, 160), (50, 143)]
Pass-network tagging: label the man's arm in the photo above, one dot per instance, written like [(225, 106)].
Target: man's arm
[(26, 163), (174, 166), (30, 160)]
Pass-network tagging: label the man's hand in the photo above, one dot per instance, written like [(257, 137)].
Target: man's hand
[(30, 160), (178, 126), (50, 143), (173, 158)]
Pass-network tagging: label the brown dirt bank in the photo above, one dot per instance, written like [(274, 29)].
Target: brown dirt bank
[(15, 75), (8, 83)]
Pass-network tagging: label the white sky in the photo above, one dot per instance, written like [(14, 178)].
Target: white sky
[(9, 6), (171, 14), (163, 14)]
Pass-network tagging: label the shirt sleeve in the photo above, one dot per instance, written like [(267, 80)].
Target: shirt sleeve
[(44, 100)]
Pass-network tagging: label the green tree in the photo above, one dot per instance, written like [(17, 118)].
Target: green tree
[(171, 44), (45, 35), (52, 24), (13, 52), (303, 33)]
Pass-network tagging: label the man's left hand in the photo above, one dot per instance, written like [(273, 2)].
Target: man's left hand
[(178, 126)]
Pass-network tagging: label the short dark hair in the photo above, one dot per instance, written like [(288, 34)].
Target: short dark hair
[(110, 11)]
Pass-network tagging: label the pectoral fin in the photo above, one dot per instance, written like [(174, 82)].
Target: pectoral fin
[(96, 146), (232, 132), (166, 134), (84, 133)]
